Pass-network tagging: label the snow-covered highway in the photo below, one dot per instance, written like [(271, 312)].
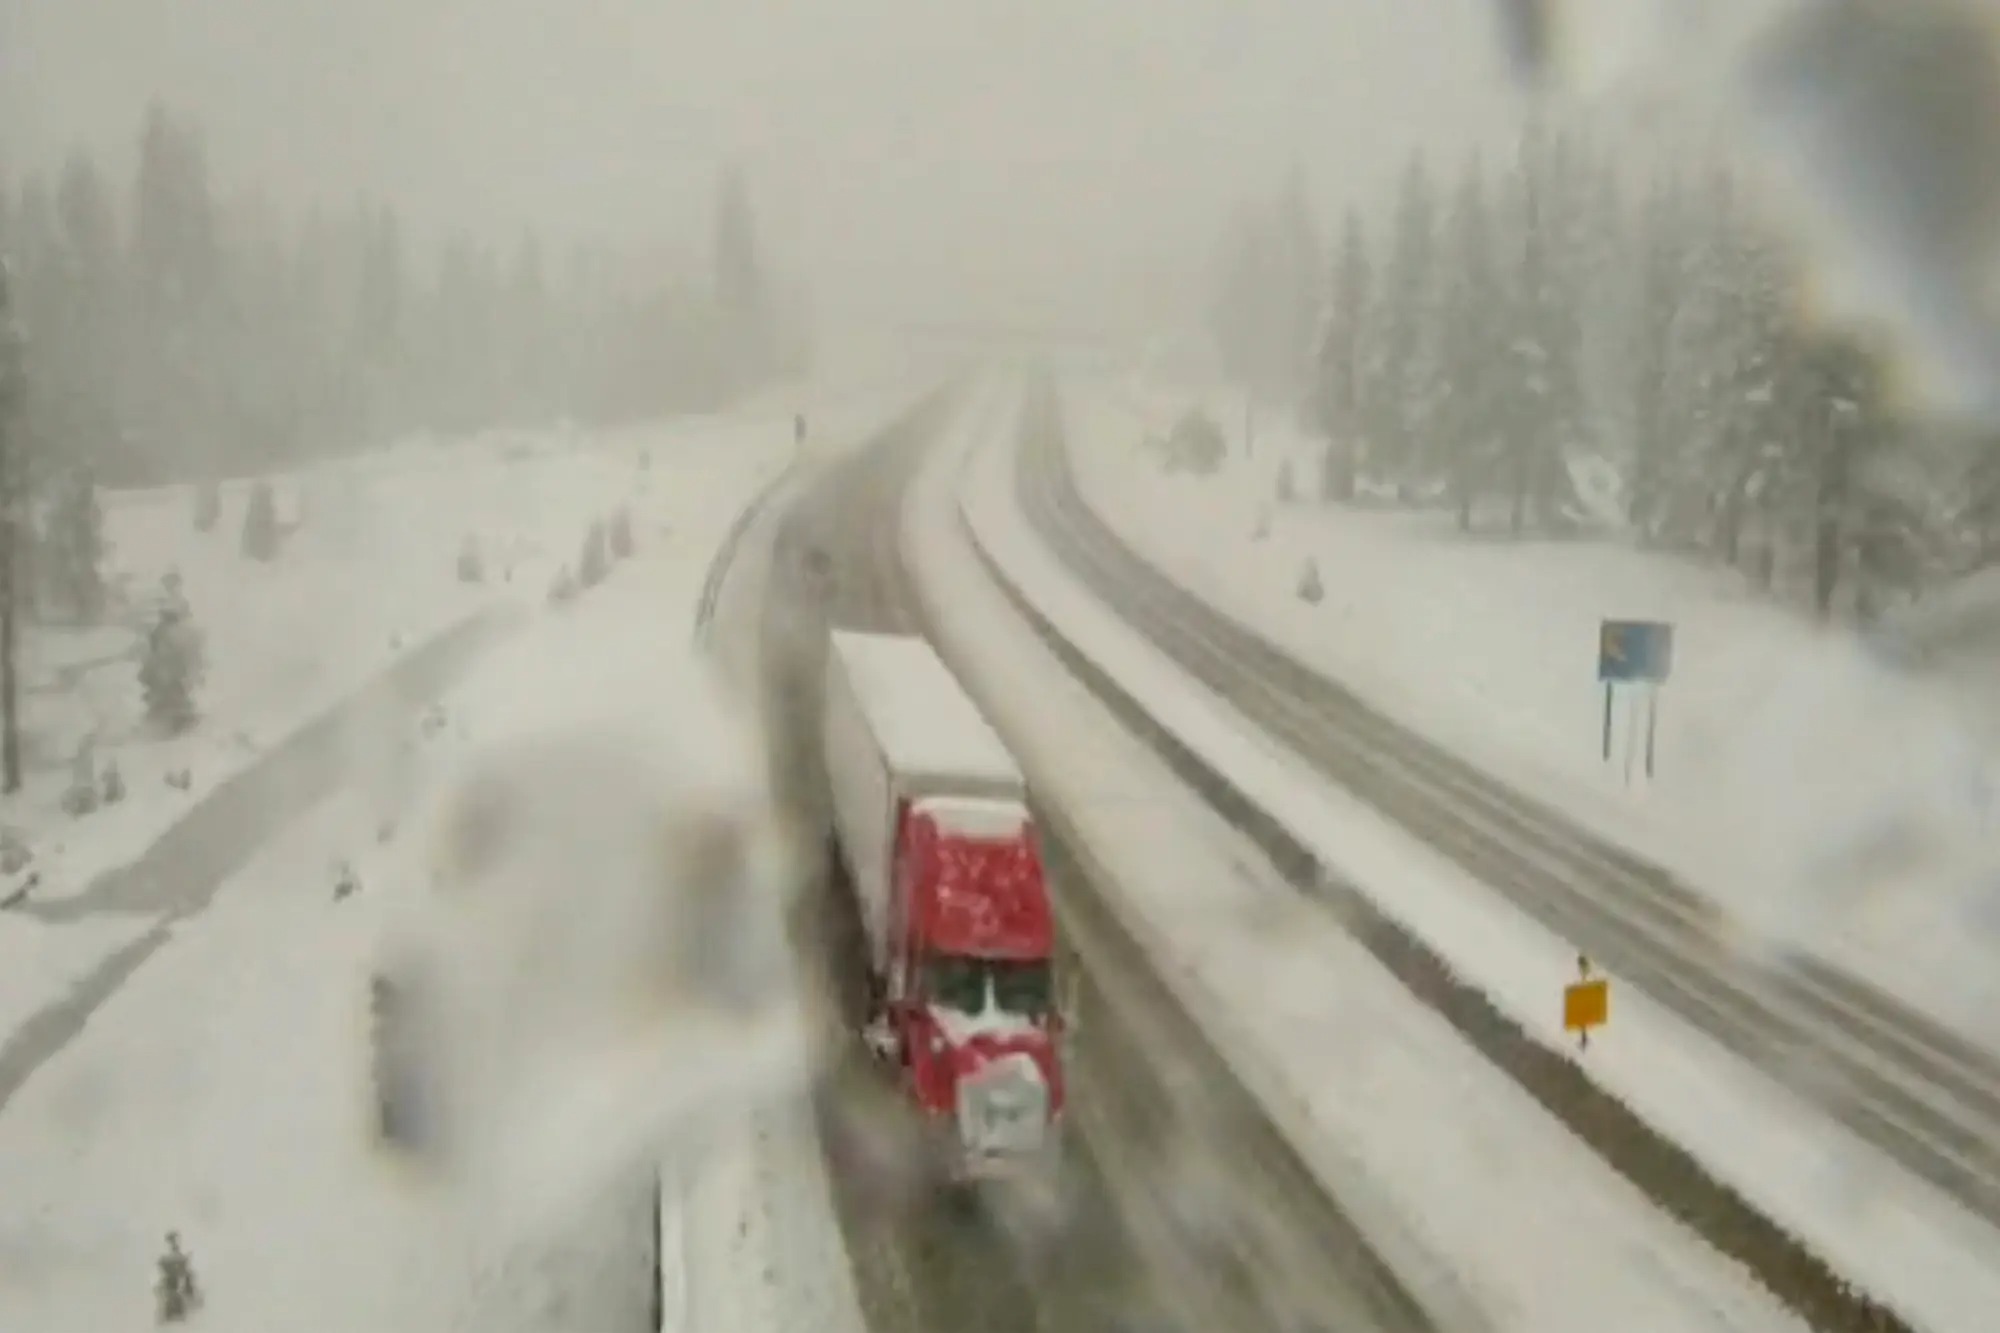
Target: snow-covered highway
[(1275, 1119)]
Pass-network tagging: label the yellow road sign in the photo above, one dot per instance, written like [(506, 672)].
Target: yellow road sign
[(1586, 1005), (1586, 1002)]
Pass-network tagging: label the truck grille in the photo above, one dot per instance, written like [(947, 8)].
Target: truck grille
[(1003, 1109)]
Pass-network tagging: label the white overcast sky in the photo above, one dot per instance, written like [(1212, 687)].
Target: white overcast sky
[(1013, 158)]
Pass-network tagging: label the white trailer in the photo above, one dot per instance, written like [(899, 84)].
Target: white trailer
[(896, 727)]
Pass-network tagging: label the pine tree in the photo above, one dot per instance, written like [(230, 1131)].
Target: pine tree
[(1309, 588), (1542, 415), (1295, 273), (1748, 410), (176, 1293), (1340, 379), (72, 549), (173, 666), (1398, 411), (1472, 354), (1658, 302), (260, 523)]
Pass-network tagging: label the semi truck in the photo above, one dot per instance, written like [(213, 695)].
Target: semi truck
[(931, 825)]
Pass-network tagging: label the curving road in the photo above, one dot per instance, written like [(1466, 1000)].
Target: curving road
[(1147, 1087)]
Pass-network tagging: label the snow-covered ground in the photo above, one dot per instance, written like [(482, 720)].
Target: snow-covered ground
[(222, 1088), (1454, 1170), (368, 576), (1826, 800)]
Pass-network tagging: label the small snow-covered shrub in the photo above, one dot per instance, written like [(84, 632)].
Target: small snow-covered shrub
[(80, 797), (1310, 589), (1196, 444), (173, 667), (176, 1294)]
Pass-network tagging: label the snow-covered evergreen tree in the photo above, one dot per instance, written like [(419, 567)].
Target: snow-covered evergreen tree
[(81, 796), (1309, 588), (71, 557), (1397, 396), (1340, 373), (176, 1293), (1541, 413), (173, 666), (1655, 315), (1472, 356)]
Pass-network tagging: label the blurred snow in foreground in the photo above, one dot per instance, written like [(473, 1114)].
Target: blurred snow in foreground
[(593, 969)]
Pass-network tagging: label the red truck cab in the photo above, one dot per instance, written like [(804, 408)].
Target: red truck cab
[(970, 996)]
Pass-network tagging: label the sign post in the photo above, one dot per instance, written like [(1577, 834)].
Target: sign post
[(1610, 692), (1652, 724), (1634, 652)]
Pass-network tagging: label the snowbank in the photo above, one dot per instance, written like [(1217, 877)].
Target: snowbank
[(1825, 800)]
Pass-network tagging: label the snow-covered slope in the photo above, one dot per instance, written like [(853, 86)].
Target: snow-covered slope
[(1788, 756), (222, 1088)]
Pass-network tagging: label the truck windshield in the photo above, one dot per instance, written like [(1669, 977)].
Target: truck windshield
[(961, 983)]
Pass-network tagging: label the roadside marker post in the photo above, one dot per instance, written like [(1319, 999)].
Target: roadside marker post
[(1634, 652), (1586, 1003)]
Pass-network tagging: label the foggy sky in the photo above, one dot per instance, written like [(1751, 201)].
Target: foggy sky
[(1065, 160)]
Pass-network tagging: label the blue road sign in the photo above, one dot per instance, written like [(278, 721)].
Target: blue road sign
[(1634, 650)]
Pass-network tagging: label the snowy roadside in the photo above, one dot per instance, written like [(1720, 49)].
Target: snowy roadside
[(1514, 1214), (1896, 1237), (223, 1090), (366, 587), (1787, 756), (756, 1202), (370, 572)]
